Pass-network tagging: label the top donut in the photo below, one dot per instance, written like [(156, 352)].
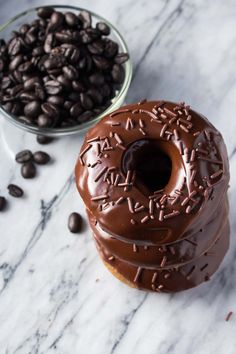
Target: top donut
[(152, 172)]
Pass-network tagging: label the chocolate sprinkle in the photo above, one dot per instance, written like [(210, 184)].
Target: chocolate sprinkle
[(138, 275), (229, 315)]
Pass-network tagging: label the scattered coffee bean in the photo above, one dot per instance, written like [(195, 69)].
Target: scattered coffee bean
[(24, 156), (28, 170), (44, 140), (3, 203), (41, 158), (59, 70), (15, 191), (75, 222)]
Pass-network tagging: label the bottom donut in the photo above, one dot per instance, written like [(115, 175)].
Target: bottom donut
[(171, 279)]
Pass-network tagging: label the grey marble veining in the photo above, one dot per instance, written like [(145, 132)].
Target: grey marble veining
[(55, 294)]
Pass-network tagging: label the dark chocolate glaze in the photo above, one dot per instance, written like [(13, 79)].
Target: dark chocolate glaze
[(154, 179)]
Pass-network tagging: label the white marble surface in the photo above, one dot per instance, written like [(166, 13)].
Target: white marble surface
[(55, 295)]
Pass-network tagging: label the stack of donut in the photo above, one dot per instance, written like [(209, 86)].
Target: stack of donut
[(154, 179)]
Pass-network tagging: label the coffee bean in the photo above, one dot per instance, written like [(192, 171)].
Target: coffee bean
[(76, 110), (17, 76), (45, 12), (26, 120), (121, 58), (7, 98), (74, 96), (64, 81), (70, 72), (14, 46), (75, 222), (16, 109), (85, 117), (43, 140), (27, 97), (2, 64), (96, 47), (57, 100), (93, 33), (86, 101), (50, 109), (54, 72), (63, 37), (72, 55), (32, 109), (15, 191), (54, 62), (28, 170), (103, 28), (118, 73), (3, 203), (71, 19), (16, 90), (95, 95), (25, 67), (23, 156), (86, 19), (86, 37), (24, 28), (101, 63), (39, 92), (48, 43), (37, 51), (97, 111), (97, 79), (41, 158), (7, 106), (29, 84), (68, 105), (56, 20), (78, 86), (30, 38), (111, 49), (6, 82), (16, 62), (53, 87), (44, 121)]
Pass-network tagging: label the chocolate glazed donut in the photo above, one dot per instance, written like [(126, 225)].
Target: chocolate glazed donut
[(154, 179)]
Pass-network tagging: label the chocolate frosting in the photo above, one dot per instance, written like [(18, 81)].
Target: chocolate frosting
[(154, 178)]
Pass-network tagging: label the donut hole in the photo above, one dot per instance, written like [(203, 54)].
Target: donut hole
[(152, 165)]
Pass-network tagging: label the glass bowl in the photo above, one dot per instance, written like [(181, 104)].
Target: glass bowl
[(117, 101)]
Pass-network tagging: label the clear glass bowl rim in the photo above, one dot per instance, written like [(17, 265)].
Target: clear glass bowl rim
[(117, 100)]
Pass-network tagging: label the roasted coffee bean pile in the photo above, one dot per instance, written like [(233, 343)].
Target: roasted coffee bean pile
[(59, 70), (28, 168), (28, 161)]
